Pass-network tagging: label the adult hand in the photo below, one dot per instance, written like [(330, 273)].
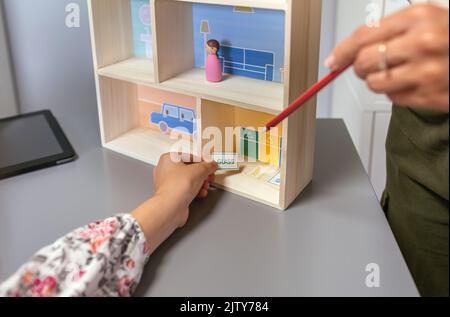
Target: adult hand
[(177, 184), (415, 42)]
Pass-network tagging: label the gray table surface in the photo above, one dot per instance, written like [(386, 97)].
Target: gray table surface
[(231, 246)]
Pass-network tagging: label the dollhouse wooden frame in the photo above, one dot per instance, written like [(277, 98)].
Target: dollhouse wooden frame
[(119, 76)]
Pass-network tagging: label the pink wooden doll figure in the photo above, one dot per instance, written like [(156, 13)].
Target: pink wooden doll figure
[(213, 64)]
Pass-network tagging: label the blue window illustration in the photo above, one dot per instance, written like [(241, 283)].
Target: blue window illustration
[(248, 63), (175, 117)]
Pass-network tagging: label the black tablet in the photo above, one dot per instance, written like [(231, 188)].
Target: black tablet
[(30, 142)]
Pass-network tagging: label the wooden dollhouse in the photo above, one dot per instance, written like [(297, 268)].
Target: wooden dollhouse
[(149, 58)]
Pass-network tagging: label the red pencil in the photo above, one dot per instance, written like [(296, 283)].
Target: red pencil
[(297, 104)]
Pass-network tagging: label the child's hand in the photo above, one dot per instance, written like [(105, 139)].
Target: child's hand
[(177, 184), (181, 182)]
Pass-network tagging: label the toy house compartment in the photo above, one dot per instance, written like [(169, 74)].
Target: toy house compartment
[(229, 129), (144, 122), (122, 39), (252, 50)]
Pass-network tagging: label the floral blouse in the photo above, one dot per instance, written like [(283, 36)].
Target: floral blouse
[(105, 258)]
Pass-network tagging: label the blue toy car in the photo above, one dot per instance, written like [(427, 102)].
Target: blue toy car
[(174, 117)]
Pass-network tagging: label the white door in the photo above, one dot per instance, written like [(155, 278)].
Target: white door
[(8, 105)]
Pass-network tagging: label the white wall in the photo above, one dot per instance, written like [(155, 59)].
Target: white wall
[(367, 115), (8, 104), (53, 64), (326, 45)]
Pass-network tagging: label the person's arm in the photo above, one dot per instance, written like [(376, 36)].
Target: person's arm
[(416, 45), (176, 186), (106, 258)]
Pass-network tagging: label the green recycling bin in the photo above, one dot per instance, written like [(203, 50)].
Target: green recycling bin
[(250, 143)]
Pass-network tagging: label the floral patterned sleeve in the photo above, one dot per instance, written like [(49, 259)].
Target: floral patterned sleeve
[(105, 258)]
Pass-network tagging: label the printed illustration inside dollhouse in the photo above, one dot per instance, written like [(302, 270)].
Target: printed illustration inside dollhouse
[(251, 40), (142, 28), (163, 82)]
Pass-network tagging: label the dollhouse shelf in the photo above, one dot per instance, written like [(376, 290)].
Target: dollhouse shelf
[(142, 144), (135, 70), (148, 146), (263, 4), (239, 183), (240, 91)]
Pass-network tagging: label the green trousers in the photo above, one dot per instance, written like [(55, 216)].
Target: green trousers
[(416, 200)]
